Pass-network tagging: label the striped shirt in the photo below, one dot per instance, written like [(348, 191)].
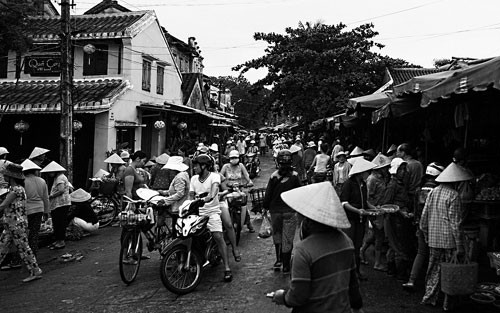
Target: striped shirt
[(323, 275), (442, 217)]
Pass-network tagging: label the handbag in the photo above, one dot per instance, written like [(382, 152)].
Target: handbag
[(266, 229), (458, 277)]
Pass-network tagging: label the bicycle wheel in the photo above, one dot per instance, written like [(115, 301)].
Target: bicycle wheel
[(130, 256), (106, 210), (175, 276)]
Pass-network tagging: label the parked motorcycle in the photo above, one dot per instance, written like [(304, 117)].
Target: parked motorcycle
[(184, 259), (252, 165)]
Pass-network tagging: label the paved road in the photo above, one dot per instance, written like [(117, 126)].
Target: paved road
[(93, 284)]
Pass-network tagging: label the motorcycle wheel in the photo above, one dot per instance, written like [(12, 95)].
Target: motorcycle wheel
[(173, 273), (236, 219)]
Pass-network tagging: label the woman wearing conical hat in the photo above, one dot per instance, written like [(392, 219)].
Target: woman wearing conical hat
[(39, 156), (441, 223), (316, 285), (354, 197)]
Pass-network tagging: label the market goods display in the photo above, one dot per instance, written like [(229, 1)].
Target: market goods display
[(489, 194)]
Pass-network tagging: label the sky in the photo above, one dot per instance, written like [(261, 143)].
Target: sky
[(417, 31)]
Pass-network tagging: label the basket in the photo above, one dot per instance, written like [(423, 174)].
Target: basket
[(240, 200), (458, 279), (108, 187), (257, 198)]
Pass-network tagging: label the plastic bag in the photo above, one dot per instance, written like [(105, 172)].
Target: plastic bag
[(266, 229)]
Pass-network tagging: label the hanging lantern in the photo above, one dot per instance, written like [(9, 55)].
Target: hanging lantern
[(159, 125), (89, 48), (182, 125), (21, 127), (77, 125)]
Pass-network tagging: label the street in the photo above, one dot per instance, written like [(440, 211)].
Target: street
[(93, 284)]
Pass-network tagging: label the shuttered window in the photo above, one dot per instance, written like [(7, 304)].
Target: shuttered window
[(159, 80), (146, 75)]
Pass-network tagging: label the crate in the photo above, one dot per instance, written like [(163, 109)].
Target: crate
[(257, 198)]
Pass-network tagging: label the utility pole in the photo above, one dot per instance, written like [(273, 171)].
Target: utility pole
[(66, 85)]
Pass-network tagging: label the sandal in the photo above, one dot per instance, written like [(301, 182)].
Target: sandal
[(237, 258), (228, 276)]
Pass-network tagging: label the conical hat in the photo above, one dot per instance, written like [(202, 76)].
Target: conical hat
[(319, 202), (361, 165), (357, 151), (79, 195), (30, 165), (149, 163), (453, 173), (53, 167), (37, 152), (162, 159), (392, 148), (294, 148), (114, 159), (381, 161), (353, 160), (100, 173)]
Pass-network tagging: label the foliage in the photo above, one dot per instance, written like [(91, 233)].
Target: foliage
[(314, 69), (442, 62), (14, 25), (249, 100)]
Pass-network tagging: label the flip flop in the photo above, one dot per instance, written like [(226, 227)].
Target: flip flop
[(228, 276), (237, 258)]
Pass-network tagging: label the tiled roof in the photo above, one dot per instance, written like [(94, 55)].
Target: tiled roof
[(188, 82), (44, 96), (116, 25), (401, 75), (105, 5)]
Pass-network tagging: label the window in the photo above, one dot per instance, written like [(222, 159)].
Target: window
[(159, 80), (97, 62), (146, 75), (3, 65)]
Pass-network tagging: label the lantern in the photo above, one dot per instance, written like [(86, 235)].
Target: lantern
[(21, 127), (89, 48), (159, 125), (77, 125), (182, 126)]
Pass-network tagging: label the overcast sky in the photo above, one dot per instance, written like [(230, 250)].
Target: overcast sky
[(418, 31)]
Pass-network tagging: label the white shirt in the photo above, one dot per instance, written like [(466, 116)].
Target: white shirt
[(199, 187)]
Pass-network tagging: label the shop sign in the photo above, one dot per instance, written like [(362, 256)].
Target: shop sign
[(43, 65)]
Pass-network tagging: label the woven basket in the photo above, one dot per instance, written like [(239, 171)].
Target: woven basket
[(457, 278)]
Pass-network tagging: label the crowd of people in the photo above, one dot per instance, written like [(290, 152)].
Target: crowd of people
[(347, 201)]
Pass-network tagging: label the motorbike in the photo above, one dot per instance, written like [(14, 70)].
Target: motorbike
[(252, 165), (236, 200), (184, 259)]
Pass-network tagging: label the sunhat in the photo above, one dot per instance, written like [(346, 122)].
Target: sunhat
[(29, 165), (37, 151), (125, 155), (100, 173), (381, 161), (53, 167), (3, 150), (252, 141), (214, 147), (453, 173), (114, 159), (318, 202), (357, 151), (361, 165), (13, 170), (79, 195), (162, 159), (311, 144), (395, 164), (392, 148), (176, 163), (341, 153), (234, 154), (294, 148)]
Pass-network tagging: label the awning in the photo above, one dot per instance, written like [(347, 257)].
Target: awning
[(396, 108), (476, 77), (128, 124), (420, 83), (182, 109), (36, 97), (372, 101)]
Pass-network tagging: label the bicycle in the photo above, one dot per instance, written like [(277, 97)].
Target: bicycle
[(105, 201), (139, 218)]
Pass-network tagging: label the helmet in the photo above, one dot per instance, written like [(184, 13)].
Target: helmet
[(284, 157), (434, 169), (252, 141), (234, 154), (203, 159)]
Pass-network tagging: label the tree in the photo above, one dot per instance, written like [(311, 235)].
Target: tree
[(249, 100), (14, 25), (315, 68)]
